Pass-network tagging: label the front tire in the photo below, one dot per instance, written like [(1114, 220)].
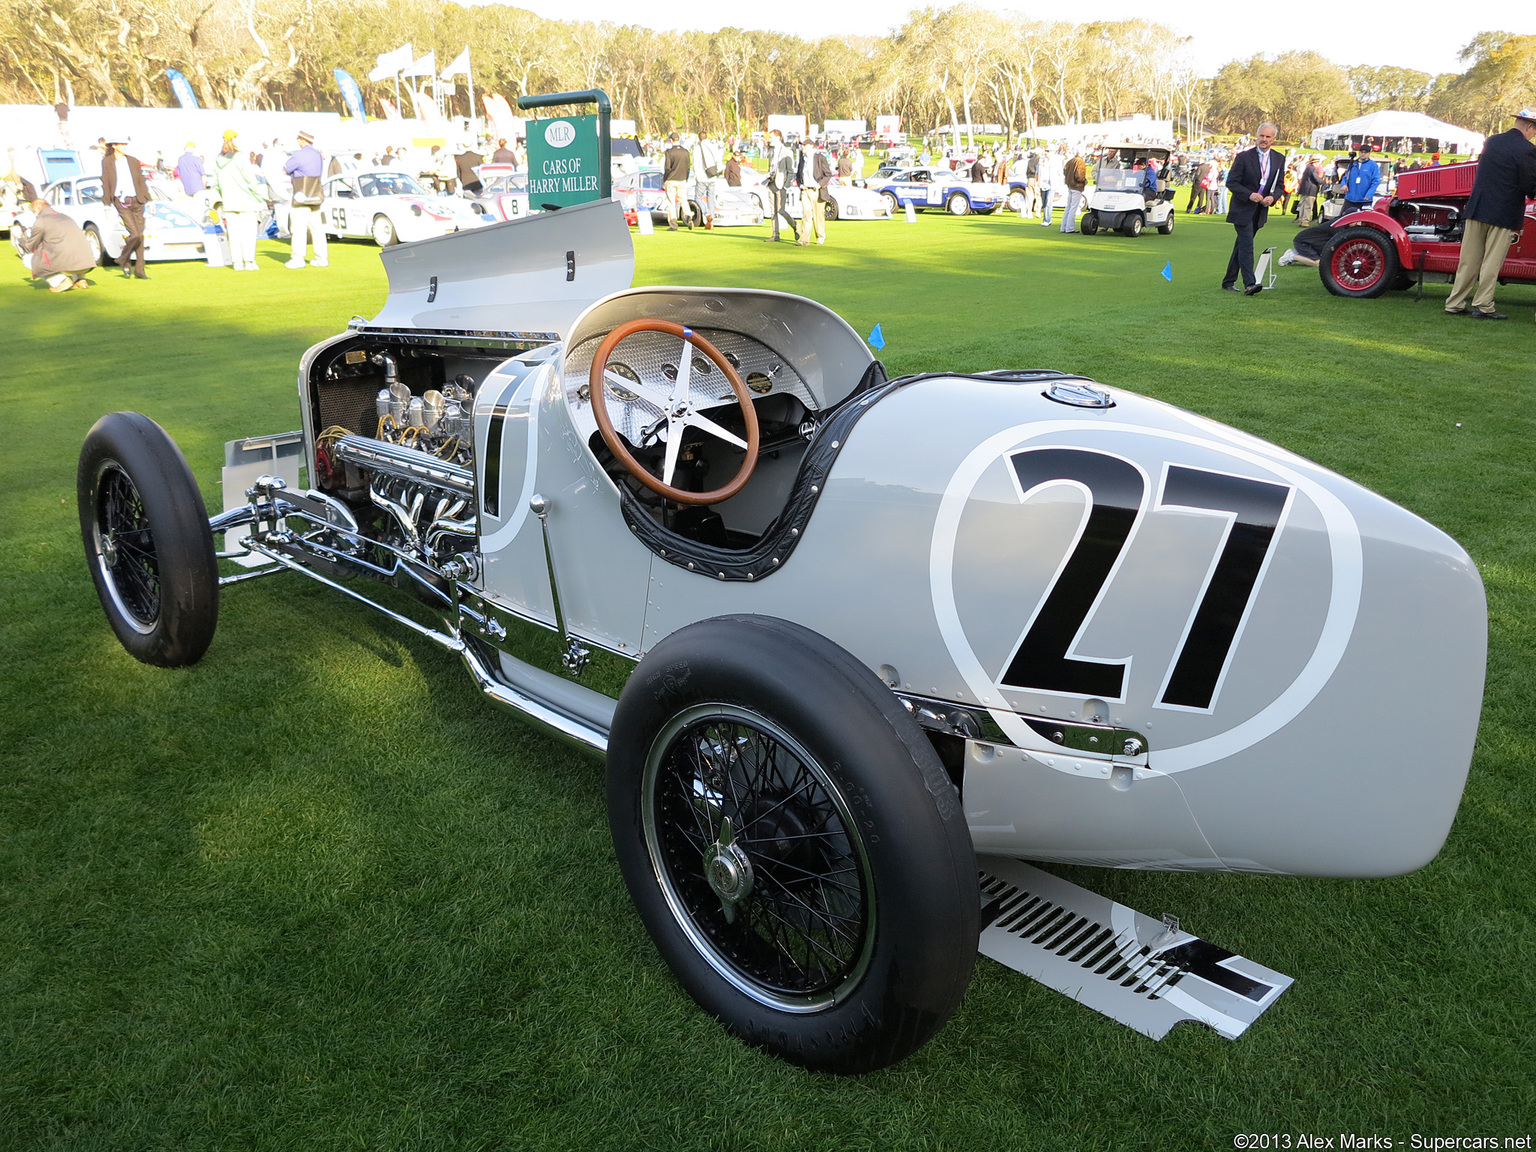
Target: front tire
[(1090, 224), (792, 843), (959, 204), (829, 209), (1360, 261), (384, 231), (1132, 225), (1016, 201), (893, 200), (147, 540)]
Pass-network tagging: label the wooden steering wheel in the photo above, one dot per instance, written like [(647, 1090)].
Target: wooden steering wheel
[(678, 409)]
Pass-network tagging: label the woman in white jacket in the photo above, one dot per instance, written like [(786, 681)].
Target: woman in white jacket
[(243, 195)]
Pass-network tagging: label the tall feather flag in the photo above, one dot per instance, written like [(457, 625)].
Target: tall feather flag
[(350, 92), (183, 90), (426, 66)]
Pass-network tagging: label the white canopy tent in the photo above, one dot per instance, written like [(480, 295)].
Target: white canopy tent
[(1390, 127)]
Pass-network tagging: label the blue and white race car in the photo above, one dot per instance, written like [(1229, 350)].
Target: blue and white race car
[(936, 188)]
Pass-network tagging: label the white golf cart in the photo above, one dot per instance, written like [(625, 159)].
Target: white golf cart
[(1120, 198)]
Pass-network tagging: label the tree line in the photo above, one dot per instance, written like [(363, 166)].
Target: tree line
[(960, 64)]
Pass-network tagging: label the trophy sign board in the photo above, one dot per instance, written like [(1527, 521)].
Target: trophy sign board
[(564, 166)]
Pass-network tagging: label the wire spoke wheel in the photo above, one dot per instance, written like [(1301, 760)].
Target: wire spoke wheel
[(755, 849), (1361, 261), (125, 548), (1357, 264)]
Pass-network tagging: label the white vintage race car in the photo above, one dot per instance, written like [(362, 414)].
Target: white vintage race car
[(170, 233), (836, 633), (641, 189), (844, 201), (389, 206), (503, 194), (936, 187)]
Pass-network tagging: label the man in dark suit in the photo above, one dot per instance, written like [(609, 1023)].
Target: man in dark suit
[(1506, 178), (1255, 181), (122, 185)]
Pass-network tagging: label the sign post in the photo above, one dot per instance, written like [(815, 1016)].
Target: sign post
[(569, 157)]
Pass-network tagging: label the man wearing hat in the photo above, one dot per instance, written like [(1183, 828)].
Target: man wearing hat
[(122, 185), (189, 170), (1495, 214), (307, 216)]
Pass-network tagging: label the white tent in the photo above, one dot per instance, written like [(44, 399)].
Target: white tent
[(1390, 127)]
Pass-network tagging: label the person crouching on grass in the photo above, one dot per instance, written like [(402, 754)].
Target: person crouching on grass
[(59, 248)]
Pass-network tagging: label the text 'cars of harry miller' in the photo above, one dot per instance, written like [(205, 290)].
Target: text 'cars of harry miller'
[(852, 630)]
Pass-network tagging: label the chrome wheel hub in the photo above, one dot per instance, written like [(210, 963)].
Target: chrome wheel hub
[(728, 871)]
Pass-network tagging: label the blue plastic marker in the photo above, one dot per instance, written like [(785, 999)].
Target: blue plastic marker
[(877, 338), (1168, 271)]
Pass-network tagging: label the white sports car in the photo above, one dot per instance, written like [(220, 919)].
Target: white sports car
[(169, 232), (390, 206), (845, 201)]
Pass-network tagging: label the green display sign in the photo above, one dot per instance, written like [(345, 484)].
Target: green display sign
[(563, 162)]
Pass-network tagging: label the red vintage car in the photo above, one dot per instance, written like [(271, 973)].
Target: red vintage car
[(1414, 237)]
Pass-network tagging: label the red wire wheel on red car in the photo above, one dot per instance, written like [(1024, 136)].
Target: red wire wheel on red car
[(1360, 261)]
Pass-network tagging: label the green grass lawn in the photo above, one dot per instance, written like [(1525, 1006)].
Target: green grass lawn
[(313, 893)]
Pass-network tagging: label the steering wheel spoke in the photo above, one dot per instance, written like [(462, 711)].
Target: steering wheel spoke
[(676, 411)]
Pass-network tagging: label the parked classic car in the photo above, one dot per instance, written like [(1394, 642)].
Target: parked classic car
[(169, 232), (835, 632), (1415, 236), (844, 201), (389, 206), (936, 188), (503, 192), (641, 190)]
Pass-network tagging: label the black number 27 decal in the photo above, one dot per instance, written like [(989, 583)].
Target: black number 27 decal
[(1116, 487)]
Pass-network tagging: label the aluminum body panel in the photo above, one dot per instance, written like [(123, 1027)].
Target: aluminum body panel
[(925, 555), (510, 277), (603, 570)]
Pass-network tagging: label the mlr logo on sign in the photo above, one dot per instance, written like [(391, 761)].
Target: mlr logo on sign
[(559, 133)]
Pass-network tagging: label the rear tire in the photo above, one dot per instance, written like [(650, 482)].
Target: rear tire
[(1361, 262), (1016, 201), (147, 540), (792, 843), (959, 204), (829, 209), (384, 231), (893, 200), (1166, 227)]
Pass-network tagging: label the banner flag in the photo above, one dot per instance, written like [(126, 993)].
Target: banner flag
[(183, 90), (499, 113), (426, 108), (391, 63), (351, 94), (426, 66), (459, 67), (877, 338), (390, 111)]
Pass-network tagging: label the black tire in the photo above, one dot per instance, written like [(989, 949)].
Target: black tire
[(147, 540), (958, 204), (1166, 228), (1016, 200), (829, 208), (858, 859), (384, 236), (93, 238), (1360, 261), (1090, 223), (1132, 225), (893, 200)]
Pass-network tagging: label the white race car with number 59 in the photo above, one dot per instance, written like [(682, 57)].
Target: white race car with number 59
[(836, 633), (388, 206)]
